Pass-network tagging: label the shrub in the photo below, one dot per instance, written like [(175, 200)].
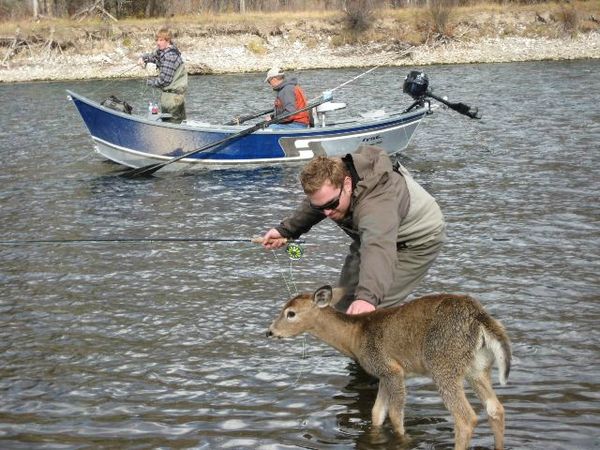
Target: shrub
[(14, 9), (440, 11), (359, 15), (569, 18), (256, 46)]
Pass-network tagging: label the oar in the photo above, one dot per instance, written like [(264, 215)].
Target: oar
[(238, 120), (151, 168), (461, 108)]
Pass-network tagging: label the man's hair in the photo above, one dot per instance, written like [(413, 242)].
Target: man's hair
[(320, 170), (164, 33)]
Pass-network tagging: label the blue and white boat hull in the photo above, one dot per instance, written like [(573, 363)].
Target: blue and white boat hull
[(136, 141)]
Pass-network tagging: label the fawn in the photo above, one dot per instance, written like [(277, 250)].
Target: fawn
[(447, 337)]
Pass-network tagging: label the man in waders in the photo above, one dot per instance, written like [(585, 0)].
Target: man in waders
[(172, 77), (397, 228)]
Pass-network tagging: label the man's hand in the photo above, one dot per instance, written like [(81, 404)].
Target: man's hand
[(273, 239), (141, 62), (359, 307), (267, 122)]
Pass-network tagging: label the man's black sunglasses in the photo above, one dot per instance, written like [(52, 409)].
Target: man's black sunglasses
[(333, 204)]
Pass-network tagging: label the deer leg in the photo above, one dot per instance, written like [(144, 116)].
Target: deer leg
[(381, 406), (392, 387), (454, 398), (482, 385)]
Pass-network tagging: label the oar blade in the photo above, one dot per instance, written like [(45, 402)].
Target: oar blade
[(144, 171)]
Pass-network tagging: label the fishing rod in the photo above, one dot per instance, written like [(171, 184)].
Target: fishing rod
[(294, 247), (386, 61), (254, 240), (327, 93)]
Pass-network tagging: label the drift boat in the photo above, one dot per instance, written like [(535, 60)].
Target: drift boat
[(136, 141), (144, 141)]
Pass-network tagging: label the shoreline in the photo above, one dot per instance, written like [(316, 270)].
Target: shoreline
[(231, 54)]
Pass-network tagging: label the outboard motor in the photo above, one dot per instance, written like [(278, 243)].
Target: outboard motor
[(416, 84)]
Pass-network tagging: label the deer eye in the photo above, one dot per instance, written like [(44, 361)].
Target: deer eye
[(290, 314)]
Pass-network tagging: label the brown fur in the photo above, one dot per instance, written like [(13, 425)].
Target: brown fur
[(446, 337)]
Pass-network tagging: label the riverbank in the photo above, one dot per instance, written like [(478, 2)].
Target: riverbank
[(296, 43)]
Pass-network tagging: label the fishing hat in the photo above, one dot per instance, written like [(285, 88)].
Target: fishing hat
[(274, 71)]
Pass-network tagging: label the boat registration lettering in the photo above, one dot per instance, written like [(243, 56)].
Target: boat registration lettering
[(372, 140)]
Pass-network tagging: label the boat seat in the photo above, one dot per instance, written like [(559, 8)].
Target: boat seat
[(376, 114), (324, 108)]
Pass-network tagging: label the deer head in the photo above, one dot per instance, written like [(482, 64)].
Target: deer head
[(299, 314)]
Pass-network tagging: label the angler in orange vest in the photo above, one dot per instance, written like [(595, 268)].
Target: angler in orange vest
[(290, 98)]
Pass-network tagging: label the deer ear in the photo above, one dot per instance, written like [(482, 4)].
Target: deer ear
[(338, 295), (322, 296)]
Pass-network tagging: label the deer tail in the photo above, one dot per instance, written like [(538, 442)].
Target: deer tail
[(496, 340)]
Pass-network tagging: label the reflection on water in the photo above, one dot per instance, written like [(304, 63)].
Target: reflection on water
[(158, 344)]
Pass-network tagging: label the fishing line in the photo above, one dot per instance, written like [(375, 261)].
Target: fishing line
[(292, 244), (301, 372), (295, 251), (386, 61), (147, 91), (291, 283), (115, 78)]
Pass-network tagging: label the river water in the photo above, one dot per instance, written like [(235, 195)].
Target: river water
[(162, 345)]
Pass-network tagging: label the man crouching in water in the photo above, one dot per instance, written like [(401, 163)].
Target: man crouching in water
[(397, 228)]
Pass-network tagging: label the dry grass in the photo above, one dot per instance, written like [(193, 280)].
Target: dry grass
[(491, 19), (257, 46), (408, 25)]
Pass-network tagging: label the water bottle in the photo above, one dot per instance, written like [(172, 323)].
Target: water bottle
[(153, 110)]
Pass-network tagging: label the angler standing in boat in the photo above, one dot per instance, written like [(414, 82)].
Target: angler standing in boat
[(396, 226), (172, 79), (290, 98)]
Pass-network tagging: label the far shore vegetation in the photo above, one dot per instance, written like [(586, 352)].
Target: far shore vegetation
[(77, 25)]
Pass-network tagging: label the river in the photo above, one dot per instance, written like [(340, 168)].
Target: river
[(162, 344)]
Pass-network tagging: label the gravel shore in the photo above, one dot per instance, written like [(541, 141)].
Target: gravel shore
[(232, 54)]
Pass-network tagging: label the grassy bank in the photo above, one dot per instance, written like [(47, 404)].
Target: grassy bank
[(411, 25), (97, 48)]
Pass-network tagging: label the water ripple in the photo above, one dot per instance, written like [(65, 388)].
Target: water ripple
[(162, 345)]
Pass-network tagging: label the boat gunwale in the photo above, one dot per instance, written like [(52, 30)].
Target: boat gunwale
[(199, 162), (355, 122)]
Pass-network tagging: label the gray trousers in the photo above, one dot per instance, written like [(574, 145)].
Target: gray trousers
[(411, 267)]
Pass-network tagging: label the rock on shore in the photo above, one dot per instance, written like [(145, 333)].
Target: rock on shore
[(233, 54)]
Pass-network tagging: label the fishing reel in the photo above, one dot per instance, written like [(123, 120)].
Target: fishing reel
[(416, 84), (294, 250)]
